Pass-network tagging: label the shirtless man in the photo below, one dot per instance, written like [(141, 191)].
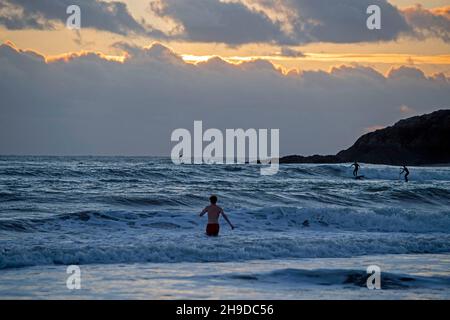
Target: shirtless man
[(214, 212)]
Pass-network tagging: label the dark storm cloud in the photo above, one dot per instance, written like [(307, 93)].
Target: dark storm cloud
[(342, 21), (236, 23), (101, 15), (429, 23), (13, 18), (232, 23)]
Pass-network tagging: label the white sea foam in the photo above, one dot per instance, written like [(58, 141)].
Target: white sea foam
[(126, 210)]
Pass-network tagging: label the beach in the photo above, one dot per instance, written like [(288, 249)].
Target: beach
[(403, 277)]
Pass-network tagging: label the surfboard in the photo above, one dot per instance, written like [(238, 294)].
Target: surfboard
[(359, 177)]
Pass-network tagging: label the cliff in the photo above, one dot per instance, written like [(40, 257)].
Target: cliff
[(419, 140)]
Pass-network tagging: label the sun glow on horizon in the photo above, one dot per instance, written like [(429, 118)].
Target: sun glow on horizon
[(285, 64)]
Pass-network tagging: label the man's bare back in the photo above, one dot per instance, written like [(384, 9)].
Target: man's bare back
[(214, 212)]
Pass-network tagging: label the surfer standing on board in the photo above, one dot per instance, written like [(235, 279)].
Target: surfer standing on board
[(355, 171), (406, 172), (214, 212)]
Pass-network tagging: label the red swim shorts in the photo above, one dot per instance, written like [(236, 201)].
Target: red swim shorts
[(212, 229)]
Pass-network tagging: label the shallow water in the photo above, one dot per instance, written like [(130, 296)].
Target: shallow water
[(424, 276)]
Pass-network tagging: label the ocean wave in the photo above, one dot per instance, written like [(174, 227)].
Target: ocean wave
[(370, 172), (340, 277), (429, 194), (10, 196), (101, 210), (185, 248), (275, 218), (375, 220), (146, 200), (163, 169)]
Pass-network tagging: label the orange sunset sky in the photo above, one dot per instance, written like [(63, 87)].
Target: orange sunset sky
[(137, 70), (431, 54)]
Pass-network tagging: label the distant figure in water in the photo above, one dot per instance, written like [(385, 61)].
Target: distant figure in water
[(214, 212), (355, 171), (406, 172)]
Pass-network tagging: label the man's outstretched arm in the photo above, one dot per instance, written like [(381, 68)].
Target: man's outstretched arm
[(203, 212), (227, 220)]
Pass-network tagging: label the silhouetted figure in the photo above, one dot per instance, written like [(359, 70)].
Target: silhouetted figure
[(355, 171), (406, 172)]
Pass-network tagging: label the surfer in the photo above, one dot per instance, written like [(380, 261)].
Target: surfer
[(355, 171), (406, 172), (214, 212)]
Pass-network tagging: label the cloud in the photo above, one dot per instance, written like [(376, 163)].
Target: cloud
[(344, 21), (45, 14), (13, 17), (156, 52), (88, 104), (282, 22), (289, 52), (305, 21), (294, 22), (429, 22), (407, 110), (216, 21), (406, 72)]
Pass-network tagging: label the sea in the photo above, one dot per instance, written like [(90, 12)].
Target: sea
[(132, 227)]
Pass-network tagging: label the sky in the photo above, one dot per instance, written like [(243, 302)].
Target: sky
[(137, 70)]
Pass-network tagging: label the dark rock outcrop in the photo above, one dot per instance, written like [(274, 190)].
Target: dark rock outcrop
[(418, 140), (310, 159)]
